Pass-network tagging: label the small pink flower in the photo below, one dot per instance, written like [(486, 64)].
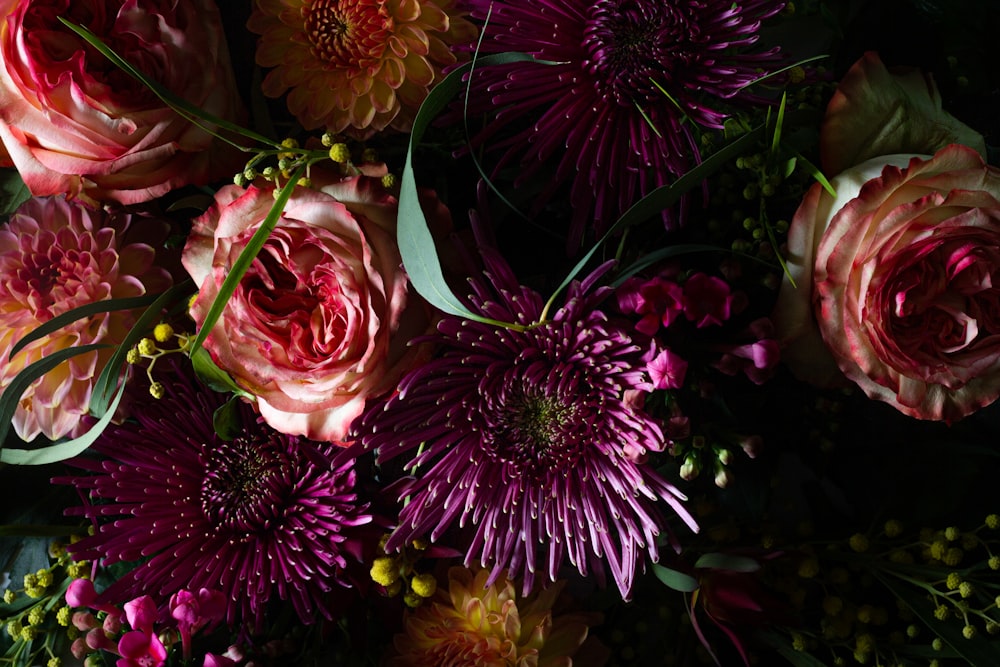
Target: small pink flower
[(707, 300), (141, 613), (667, 370), (196, 611), (141, 649), (757, 359), (659, 301)]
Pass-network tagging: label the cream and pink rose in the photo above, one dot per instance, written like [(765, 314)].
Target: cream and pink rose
[(73, 123), (321, 321), (56, 255), (898, 276)]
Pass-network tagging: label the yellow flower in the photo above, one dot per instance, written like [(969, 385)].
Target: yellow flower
[(356, 66), (475, 624)]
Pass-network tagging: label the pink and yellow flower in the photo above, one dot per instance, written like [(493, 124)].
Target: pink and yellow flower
[(57, 255), (356, 65), (476, 624)]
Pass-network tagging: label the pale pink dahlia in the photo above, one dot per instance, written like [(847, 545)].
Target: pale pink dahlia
[(261, 517), (57, 255), (487, 624), (531, 440), (356, 65), (625, 82)]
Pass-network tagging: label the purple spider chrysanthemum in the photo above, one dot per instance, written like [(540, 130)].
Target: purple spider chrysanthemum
[(532, 440), (614, 107), (262, 516)]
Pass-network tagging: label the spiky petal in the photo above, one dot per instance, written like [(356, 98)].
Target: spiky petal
[(260, 517), (531, 440), (622, 82)]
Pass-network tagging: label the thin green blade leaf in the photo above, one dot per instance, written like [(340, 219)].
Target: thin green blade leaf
[(11, 396), (178, 104), (64, 450), (661, 198), (70, 316), (246, 258), (416, 245), (104, 387)]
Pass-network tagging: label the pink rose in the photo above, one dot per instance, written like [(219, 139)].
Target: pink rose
[(899, 276), (74, 123), (321, 321), (57, 255)]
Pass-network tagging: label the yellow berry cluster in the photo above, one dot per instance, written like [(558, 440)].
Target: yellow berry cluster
[(35, 616), (288, 158), (397, 574), (888, 593), (152, 348)]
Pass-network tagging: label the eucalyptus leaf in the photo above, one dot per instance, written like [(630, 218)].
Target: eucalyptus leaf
[(61, 451), (731, 562), (679, 581), (11, 396), (416, 244), (86, 310)]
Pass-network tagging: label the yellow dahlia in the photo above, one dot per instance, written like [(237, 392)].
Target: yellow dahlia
[(356, 65), (491, 626)]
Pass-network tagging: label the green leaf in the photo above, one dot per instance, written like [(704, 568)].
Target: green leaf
[(416, 245), (214, 377), (38, 530), (813, 170), (104, 387), (226, 419), (15, 390), (246, 258), (731, 562), (62, 450), (13, 191), (661, 254), (679, 581), (87, 310)]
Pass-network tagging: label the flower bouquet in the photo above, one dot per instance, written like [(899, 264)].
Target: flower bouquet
[(499, 332)]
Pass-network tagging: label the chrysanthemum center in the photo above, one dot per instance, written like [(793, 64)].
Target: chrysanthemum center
[(239, 488), (346, 34), (633, 45), (535, 431)]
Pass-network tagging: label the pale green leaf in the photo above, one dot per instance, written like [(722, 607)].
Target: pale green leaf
[(61, 451), (679, 581)]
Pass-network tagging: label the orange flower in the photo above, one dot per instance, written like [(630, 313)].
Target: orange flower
[(356, 65), (490, 626)]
